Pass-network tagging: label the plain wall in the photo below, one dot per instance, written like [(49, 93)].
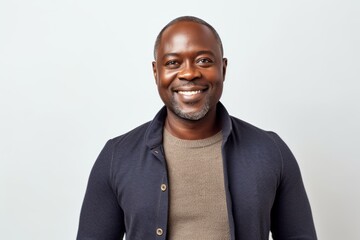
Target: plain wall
[(76, 73)]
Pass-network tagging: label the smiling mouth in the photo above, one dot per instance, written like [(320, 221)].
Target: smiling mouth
[(189, 93)]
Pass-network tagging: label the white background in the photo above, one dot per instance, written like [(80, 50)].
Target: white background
[(76, 73)]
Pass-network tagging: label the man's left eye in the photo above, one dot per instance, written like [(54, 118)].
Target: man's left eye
[(204, 60)]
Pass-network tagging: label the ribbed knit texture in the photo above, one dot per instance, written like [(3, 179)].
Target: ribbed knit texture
[(197, 195)]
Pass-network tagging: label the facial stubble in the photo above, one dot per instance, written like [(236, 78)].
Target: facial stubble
[(194, 116)]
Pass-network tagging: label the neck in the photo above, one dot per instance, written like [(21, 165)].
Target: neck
[(190, 129)]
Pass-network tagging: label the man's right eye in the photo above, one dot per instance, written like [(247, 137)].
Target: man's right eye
[(171, 63)]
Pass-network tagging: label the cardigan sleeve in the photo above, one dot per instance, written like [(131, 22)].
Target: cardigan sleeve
[(291, 216), (101, 216)]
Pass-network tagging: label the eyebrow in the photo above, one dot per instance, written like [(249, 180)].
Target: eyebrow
[(197, 53)]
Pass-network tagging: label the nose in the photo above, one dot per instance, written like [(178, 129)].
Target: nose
[(189, 72)]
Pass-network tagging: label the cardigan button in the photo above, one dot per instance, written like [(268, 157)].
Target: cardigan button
[(163, 187), (159, 232)]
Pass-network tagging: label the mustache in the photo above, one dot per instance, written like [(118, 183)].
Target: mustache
[(189, 84)]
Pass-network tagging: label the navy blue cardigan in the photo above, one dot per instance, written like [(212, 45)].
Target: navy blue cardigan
[(263, 184)]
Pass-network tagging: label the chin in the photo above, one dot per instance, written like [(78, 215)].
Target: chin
[(192, 115)]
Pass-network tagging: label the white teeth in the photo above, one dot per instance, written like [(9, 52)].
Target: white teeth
[(189, 93)]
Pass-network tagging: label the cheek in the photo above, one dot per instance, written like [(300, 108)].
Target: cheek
[(165, 78), (217, 80), (216, 77)]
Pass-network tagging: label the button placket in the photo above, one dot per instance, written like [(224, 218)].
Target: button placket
[(161, 220)]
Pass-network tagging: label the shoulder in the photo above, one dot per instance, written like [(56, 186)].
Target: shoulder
[(254, 139), (135, 135), (248, 132), (262, 142)]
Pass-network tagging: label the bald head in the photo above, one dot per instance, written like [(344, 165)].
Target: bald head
[(187, 19)]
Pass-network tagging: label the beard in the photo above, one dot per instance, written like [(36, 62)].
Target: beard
[(193, 116)]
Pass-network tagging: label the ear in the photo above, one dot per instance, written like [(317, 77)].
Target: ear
[(224, 67), (154, 71)]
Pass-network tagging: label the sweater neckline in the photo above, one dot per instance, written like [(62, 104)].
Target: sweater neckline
[(199, 143)]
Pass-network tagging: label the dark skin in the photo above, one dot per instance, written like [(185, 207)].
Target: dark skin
[(189, 71)]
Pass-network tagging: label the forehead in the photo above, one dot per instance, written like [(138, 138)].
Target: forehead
[(188, 36)]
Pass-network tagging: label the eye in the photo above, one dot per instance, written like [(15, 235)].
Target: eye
[(205, 61), (172, 64)]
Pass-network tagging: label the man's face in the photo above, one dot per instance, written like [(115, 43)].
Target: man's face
[(189, 70)]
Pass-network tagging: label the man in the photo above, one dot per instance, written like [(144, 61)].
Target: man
[(194, 172)]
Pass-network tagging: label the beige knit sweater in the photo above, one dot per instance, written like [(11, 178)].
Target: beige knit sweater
[(196, 184)]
